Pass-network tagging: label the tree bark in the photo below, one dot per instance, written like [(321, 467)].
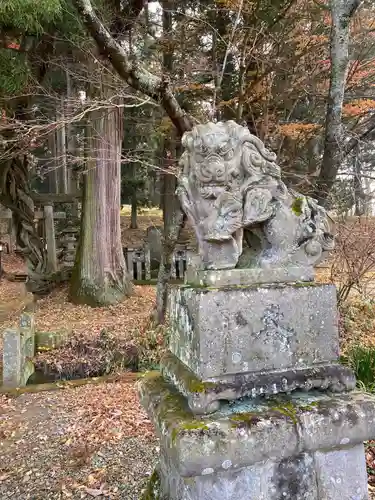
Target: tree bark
[(131, 71), (100, 276), (341, 11)]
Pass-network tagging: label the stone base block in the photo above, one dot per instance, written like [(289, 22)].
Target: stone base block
[(205, 396), (303, 446), (243, 277), (218, 332), (333, 475)]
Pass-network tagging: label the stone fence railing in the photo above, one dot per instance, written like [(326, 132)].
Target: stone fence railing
[(139, 262)]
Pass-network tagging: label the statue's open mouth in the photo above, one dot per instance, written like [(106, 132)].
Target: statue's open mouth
[(212, 190)]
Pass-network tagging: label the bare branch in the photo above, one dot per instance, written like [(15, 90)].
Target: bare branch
[(370, 127), (131, 71)]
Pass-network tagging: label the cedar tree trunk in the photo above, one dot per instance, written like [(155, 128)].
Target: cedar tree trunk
[(100, 276)]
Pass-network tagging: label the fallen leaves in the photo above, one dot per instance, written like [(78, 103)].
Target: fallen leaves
[(96, 492), (74, 436), (55, 313), (102, 340), (104, 413)]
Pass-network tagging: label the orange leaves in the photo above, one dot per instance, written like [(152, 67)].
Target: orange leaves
[(191, 87), (358, 107), (298, 131), (228, 4)]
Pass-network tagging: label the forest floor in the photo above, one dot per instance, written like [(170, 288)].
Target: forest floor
[(84, 442), (78, 442), (145, 218), (92, 441)]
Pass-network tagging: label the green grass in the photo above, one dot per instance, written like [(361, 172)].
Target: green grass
[(362, 361)]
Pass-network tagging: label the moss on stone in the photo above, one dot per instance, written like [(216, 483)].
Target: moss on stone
[(297, 206), (309, 407), (248, 418), (194, 425), (150, 375), (184, 376), (303, 284), (186, 427), (288, 410), (152, 491), (198, 386)]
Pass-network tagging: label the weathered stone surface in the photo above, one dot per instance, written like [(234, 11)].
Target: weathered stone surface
[(231, 190), (18, 350), (230, 277), (154, 240), (45, 341), (248, 432), (218, 332), (342, 474), (264, 450), (336, 475), (204, 396), (293, 479)]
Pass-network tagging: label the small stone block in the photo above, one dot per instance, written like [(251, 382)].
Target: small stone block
[(18, 351), (11, 358), (222, 331), (50, 340), (342, 473)]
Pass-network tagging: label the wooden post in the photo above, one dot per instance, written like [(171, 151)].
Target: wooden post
[(50, 238)]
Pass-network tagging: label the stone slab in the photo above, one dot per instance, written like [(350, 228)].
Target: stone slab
[(205, 396), (230, 277), (18, 351), (45, 341), (11, 358), (342, 473), (335, 475), (252, 431), (221, 331)]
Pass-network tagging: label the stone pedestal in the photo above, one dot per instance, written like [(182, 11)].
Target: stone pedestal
[(247, 340), (297, 447), (251, 401)]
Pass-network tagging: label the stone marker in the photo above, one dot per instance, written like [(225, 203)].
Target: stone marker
[(251, 402), (18, 351), (154, 241)]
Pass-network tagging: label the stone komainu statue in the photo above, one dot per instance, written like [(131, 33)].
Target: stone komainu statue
[(243, 214)]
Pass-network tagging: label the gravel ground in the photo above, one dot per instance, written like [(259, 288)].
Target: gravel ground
[(48, 451)]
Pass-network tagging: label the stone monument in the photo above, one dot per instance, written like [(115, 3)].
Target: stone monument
[(251, 401)]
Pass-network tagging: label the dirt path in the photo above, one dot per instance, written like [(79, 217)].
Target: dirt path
[(85, 442)]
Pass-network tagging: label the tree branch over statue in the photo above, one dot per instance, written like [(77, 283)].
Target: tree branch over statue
[(131, 71)]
